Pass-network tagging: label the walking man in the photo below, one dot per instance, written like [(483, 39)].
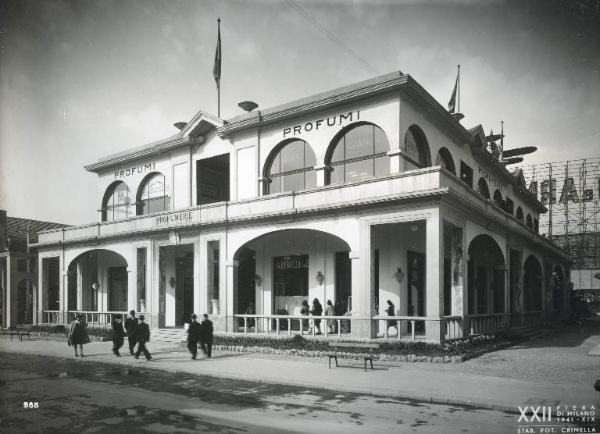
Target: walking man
[(206, 336), (130, 325), (194, 331), (118, 334), (142, 335)]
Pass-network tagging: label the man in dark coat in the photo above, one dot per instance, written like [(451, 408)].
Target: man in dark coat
[(142, 335), (118, 334), (194, 332), (206, 335), (130, 325)]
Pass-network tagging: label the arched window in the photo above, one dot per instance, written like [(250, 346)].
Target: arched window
[(482, 188), (520, 213), (117, 203), (416, 149), (358, 153), (444, 159), (529, 222), (291, 167), (153, 195), (498, 199)]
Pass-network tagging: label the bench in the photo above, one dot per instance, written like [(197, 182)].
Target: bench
[(368, 357), (15, 331)]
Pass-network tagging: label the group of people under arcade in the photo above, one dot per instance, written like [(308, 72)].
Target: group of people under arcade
[(138, 333), (317, 310)]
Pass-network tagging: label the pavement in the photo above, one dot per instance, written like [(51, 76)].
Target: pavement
[(406, 380)]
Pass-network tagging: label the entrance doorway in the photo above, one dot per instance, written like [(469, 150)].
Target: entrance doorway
[(343, 283), (290, 283), (176, 285), (117, 289), (25, 302)]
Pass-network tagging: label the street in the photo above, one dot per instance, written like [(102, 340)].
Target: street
[(80, 395)]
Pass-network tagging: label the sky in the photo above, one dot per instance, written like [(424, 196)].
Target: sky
[(83, 79)]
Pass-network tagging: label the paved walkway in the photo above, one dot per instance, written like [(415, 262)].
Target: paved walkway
[(451, 387)]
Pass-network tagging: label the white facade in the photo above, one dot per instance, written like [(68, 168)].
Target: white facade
[(376, 204)]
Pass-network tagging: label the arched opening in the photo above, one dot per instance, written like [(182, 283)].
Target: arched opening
[(498, 199), (277, 271), (558, 288), (444, 159), (25, 302), (532, 284), (520, 214), (116, 204), (416, 149), (357, 152), (529, 222), (290, 167), (486, 275), (153, 195), (97, 281), (482, 188)]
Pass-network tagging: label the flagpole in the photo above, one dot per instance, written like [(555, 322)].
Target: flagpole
[(458, 92), (219, 82)]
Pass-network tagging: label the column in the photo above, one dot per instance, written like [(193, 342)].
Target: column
[(434, 292), (361, 295), (79, 286), (321, 171), (132, 300), (395, 160), (226, 307), (200, 295), (7, 292)]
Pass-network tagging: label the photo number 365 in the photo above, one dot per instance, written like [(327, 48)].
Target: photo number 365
[(31, 404)]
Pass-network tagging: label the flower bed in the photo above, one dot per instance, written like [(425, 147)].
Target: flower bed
[(62, 331), (454, 351)]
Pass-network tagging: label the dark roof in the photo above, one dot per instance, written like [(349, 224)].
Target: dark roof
[(16, 231), (199, 124)]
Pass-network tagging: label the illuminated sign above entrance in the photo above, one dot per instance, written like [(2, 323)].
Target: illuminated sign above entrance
[(329, 121)]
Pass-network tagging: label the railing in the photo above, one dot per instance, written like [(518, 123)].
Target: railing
[(487, 323), (394, 186), (93, 318), (276, 323), (409, 327), (408, 323), (52, 317), (533, 318), (453, 327)]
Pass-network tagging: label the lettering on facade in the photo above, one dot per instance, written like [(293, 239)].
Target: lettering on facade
[(175, 218), (569, 192), (142, 168), (486, 175), (292, 262), (330, 121)]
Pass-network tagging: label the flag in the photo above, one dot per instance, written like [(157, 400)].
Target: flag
[(452, 102), (217, 67)]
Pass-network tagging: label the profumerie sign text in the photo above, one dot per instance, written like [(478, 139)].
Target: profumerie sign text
[(175, 218), (329, 121)]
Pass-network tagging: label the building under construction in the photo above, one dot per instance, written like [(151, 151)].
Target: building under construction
[(571, 192)]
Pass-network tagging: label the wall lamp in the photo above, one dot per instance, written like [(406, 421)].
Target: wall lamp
[(399, 275), (320, 278), (258, 280), (172, 282)]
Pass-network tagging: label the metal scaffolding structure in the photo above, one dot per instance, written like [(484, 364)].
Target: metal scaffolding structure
[(571, 192)]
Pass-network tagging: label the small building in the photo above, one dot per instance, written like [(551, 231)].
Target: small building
[(18, 268), (366, 194)]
